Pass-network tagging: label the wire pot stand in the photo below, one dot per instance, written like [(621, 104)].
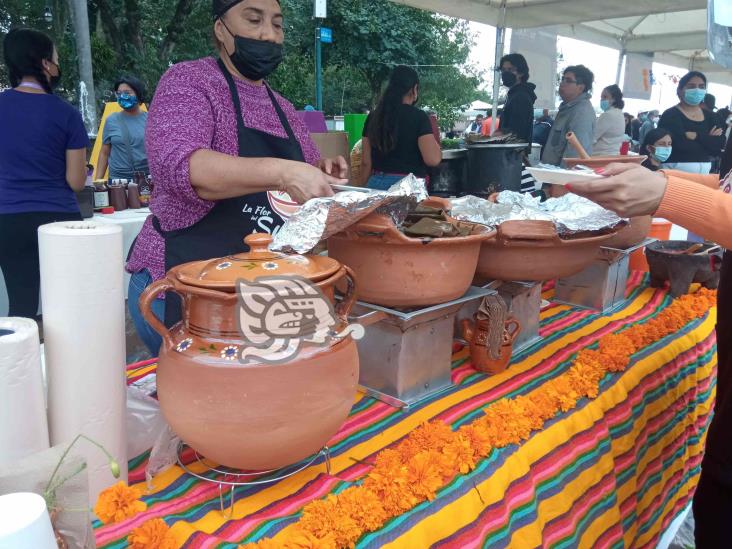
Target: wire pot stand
[(225, 477)]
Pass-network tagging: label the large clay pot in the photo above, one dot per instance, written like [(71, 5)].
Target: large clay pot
[(395, 270), (476, 334), (532, 251), (631, 235), (253, 415)]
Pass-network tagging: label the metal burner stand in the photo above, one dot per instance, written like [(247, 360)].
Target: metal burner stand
[(406, 356), (233, 478), (601, 286), (523, 300)]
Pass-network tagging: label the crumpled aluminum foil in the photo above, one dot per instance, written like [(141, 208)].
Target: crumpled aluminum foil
[(570, 213), (320, 218)]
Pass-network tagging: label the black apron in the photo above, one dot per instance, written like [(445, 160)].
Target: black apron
[(221, 232)]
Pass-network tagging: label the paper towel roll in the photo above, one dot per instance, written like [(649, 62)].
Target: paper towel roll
[(84, 341), (25, 522), (23, 425)]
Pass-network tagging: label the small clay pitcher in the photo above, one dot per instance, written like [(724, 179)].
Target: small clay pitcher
[(476, 334)]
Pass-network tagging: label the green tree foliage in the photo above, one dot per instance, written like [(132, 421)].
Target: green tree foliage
[(144, 37)]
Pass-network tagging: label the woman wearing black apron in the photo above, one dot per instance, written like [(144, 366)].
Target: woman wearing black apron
[(228, 155), (702, 204)]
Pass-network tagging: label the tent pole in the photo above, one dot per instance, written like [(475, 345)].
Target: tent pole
[(621, 56), (500, 38)]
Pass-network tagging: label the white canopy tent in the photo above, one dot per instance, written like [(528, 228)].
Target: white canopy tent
[(674, 30)]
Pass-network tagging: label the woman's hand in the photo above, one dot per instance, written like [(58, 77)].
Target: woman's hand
[(715, 132), (629, 189), (337, 167), (691, 136), (303, 182)]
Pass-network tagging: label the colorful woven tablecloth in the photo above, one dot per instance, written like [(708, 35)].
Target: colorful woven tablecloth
[(613, 472)]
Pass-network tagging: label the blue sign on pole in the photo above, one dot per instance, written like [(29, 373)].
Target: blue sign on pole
[(326, 35)]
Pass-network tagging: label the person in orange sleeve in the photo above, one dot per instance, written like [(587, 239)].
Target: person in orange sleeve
[(702, 204)]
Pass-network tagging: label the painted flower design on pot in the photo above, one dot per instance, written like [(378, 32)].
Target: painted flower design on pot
[(269, 266), (224, 265), (184, 345), (230, 352)]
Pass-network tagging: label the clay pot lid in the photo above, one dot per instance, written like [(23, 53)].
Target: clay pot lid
[(222, 273)]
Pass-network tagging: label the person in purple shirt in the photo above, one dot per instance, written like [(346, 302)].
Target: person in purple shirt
[(42, 162), (228, 156)]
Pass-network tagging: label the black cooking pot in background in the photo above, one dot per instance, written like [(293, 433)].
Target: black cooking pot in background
[(494, 168)]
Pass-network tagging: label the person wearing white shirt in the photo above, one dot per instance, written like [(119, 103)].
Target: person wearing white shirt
[(610, 127)]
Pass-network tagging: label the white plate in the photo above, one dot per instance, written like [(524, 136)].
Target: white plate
[(560, 176)]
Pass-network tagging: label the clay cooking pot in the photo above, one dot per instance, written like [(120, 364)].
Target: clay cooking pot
[(533, 251), (395, 270), (251, 415), (634, 233)]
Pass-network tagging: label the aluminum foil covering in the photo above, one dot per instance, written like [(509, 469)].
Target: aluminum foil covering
[(570, 213), (320, 218)]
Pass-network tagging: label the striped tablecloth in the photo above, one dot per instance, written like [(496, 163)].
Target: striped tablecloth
[(613, 472)]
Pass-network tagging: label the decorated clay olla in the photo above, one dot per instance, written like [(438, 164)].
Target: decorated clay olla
[(252, 414), (395, 270), (631, 235), (532, 251), (476, 334)]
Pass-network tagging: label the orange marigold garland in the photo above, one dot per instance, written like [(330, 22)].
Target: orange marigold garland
[(118, 503), (433, 454)]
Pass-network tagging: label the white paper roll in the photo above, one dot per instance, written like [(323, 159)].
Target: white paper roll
[(84, 341), (23, 425), (24, 522)]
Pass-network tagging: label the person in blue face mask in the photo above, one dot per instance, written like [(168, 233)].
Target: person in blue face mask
[(123, 138), (610, 126), (697, 138), (657, 146)]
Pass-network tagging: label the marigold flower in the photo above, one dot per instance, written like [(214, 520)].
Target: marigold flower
[(153, 534), (118, 503)]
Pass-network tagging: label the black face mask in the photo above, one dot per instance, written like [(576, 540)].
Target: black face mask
[(255, 59), (508, 78)]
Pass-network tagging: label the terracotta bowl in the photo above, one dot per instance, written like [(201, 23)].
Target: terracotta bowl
[(631, 235), (532, 251), (596, 162), (257, 417), (394, 270)]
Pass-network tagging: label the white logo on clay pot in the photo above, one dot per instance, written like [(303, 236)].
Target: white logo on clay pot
[(277, 314)]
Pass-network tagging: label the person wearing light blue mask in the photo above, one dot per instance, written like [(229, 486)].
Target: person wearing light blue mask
[(657, 146), (123, 137), (610, 126), (695, 133), (696, 137)]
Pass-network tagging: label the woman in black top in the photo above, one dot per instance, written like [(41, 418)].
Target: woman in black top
[(696, 137), (518, 112), (657, 146), (397, 136)]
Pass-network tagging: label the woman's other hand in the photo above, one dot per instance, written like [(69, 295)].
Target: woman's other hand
[(691, 136), (715, 132), (628, 189), (303, 182), (336, 167)]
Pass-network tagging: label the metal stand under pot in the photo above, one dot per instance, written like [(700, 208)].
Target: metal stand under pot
[(601, 286), (523, 300), (406, 355)]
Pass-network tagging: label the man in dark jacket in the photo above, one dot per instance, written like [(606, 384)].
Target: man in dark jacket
[(518, 112)]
